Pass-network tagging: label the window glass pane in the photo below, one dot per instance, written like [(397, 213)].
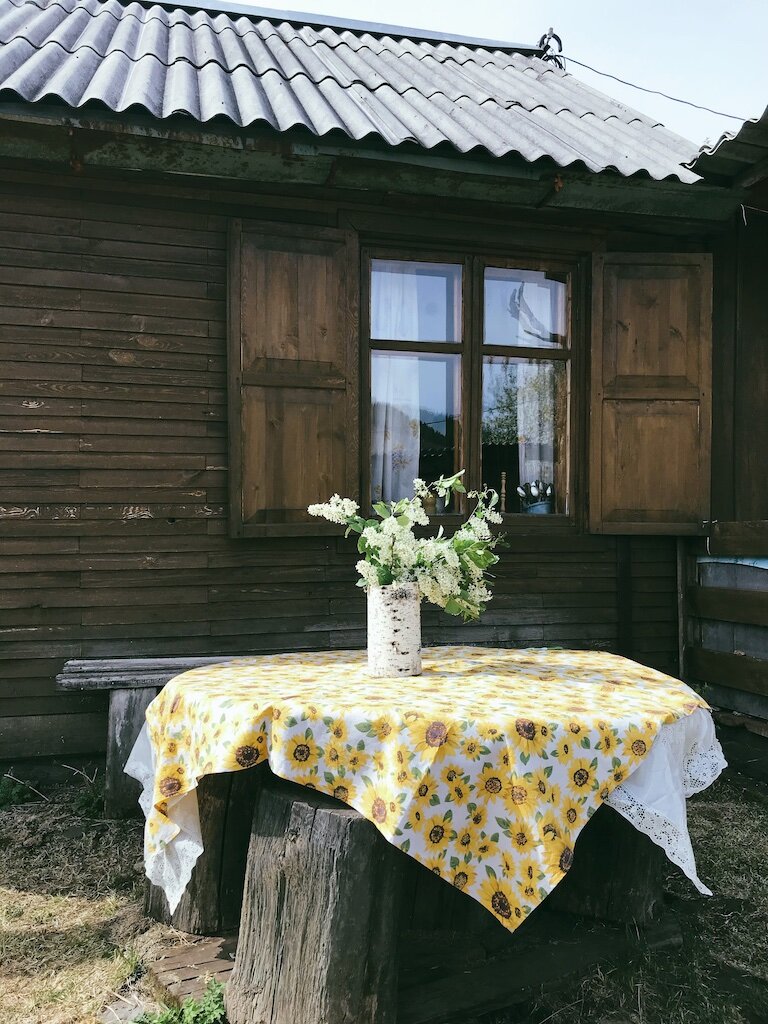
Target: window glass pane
[(415, 428), (525, 307), (525, 417), (413, 301)]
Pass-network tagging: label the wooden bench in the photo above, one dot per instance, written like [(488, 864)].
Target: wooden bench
[(132, 683)]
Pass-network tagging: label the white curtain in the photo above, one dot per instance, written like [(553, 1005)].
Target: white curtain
[(395, 423), (540, 315), (535, 421)]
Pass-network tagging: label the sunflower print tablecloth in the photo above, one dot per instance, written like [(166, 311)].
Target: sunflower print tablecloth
[(485, 768)]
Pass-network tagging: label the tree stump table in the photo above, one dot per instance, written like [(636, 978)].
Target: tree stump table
[(340, 927), (212, 901)]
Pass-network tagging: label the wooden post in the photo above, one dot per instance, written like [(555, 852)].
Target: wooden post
[(318, 932), (212, 901), (126, 717)]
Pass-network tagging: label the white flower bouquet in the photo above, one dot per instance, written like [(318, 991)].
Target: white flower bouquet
[(450, 571)]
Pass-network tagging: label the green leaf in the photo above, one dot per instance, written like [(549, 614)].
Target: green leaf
[(454, 862), (434, 800), (585, 742), (405, 847), (489, 871)]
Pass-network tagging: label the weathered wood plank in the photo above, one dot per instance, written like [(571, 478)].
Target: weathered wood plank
[(732, 670), (729, 605), (740, 539), (127, 673), (126, 717)]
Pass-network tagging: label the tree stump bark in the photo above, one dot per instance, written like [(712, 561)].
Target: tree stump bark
[(213, 899), (318, 933), (617, 873)]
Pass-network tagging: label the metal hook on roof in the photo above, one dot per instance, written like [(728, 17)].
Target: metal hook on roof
[(549, 53)]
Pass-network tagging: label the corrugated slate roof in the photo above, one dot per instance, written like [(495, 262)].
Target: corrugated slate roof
[(172, 61), (735, 155)]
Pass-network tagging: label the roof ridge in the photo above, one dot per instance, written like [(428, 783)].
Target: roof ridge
[(235, 11)]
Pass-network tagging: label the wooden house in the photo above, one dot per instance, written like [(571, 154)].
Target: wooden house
[(249, 260)]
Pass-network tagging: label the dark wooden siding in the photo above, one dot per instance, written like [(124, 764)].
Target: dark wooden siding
[(751, 370), (113, 474), (740, 415)]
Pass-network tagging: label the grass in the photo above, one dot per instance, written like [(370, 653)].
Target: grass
[(72, 934), (71, 929)]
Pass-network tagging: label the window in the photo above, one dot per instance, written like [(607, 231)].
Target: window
[(467, 361), (469, 367)]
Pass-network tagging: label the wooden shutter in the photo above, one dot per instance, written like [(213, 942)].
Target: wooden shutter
[(650, 393), (293, 371)]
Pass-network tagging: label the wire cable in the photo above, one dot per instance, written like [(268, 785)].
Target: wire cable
[(656, 92)]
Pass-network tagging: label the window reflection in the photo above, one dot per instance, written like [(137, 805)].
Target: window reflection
[(524, 416), (527, 308), (415, 301), (415, 408)]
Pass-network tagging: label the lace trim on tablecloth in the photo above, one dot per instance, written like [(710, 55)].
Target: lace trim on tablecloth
[(171, 867), (685, 759)]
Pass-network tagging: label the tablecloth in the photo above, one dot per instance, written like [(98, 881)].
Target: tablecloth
[(485, 768)]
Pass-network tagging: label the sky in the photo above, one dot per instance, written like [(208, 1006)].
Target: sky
[(706, 51)]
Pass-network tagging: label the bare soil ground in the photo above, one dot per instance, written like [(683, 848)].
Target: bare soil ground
[(73, 937)]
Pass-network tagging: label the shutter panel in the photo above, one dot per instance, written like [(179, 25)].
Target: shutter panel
[(293, 370), (650, 393)]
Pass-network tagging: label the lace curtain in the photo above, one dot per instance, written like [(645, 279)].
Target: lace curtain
[(539, 318), (395, 423)]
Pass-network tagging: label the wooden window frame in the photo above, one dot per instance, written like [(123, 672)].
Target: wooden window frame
[(471, 349)]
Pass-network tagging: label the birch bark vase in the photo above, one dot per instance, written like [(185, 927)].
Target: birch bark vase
[(394, 630)]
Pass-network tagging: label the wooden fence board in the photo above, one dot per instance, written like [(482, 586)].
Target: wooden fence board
[(732, 670), (740, 539), (745, 606)]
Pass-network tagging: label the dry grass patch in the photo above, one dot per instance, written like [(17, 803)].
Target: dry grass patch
[(71, 931)]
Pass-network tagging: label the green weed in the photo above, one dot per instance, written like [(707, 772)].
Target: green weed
[(207, 1010)]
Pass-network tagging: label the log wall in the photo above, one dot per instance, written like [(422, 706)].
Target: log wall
[(113, 474)]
